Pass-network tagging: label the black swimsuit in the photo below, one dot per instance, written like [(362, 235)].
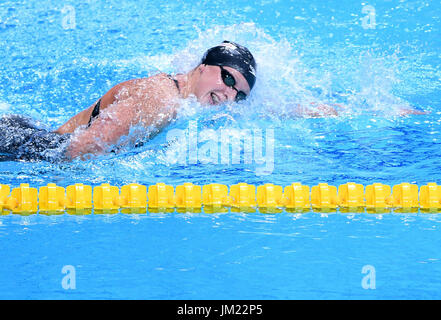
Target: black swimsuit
[(21, 139)]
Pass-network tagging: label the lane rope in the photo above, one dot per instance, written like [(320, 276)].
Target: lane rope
[(215, 197)]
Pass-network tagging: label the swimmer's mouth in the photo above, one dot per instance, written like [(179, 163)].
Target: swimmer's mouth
[(214, 98)]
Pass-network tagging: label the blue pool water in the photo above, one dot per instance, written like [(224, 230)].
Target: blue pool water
[(58, 58)]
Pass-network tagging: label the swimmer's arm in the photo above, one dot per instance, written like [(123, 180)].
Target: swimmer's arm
[(321, 110), (103, 131), (315, 110), (406, 111), (154, 110)]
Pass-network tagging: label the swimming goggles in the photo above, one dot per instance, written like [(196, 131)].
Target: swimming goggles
[(229, 81)]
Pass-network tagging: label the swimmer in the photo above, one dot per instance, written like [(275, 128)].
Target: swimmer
[(226, 73)]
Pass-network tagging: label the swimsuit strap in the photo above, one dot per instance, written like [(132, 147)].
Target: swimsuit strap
[(176, 82), (95, 112)]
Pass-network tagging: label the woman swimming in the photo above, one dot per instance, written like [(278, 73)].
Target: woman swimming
[(226, 72)]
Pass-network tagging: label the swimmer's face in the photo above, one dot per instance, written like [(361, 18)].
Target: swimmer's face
[(211, 89)]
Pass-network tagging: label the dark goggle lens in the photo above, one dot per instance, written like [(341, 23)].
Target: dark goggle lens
[(231, 82), (240, 96), (228, 78)]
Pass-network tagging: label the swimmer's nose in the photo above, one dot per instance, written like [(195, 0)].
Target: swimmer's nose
[(230, 94)]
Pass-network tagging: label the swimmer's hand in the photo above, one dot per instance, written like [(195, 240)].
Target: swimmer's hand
[(317, 110), (321, 110), (406, 111)]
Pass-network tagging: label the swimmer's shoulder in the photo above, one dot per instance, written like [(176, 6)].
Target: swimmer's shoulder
[(160, 88), (165, 83), (159, 85)]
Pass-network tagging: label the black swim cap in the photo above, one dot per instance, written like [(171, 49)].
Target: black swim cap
[(230, 54)]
